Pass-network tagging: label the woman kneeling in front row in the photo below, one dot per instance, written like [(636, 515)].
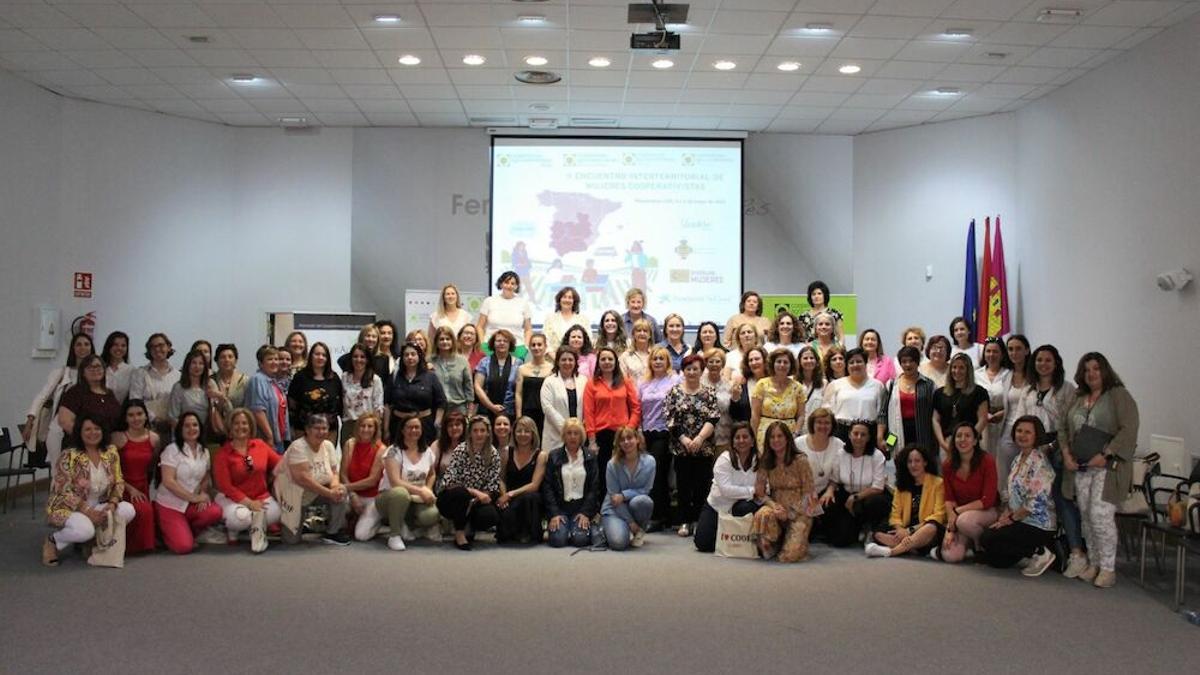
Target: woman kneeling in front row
[(1027, 526), (311, 476), (785, 486), (734, 477), (918, 517), (87, 486), (569, 491), (629, 479)]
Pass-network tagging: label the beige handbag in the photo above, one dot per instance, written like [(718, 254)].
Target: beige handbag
[(734, 536), (109, 549)]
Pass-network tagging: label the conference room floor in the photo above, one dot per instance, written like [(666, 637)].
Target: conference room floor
[(664, 608)]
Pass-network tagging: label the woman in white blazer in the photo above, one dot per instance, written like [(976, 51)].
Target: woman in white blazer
[(60, 380), (562, 397)]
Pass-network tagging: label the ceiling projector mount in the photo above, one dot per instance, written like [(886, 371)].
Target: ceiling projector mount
[(660, 14)]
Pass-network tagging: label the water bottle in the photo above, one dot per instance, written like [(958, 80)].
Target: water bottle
[(1193, 617)]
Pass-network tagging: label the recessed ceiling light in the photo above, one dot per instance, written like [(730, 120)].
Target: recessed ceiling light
[(599, 62), (958, 32), (789, 66), (947, 91), (199, 39), (724, 65), (536, 60), (531, 18), (1065, 15), (850, 69), (819, 27), (997, 55), (244, 78), (539, 107), (474, 60), (387, 18), (410, 60), (663, 63)]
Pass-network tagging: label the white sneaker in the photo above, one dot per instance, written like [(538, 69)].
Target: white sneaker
[(396, 543), (874, 550), (434, 534), (1039, 563), (1076, 564), (684, 531), (212, 535), (638, 539), (405, 531)]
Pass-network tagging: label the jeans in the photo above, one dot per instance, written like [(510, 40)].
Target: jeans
[(616, 526), (706, 528), (570, 533)]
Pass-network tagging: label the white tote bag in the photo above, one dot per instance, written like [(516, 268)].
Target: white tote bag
[(734, 539)]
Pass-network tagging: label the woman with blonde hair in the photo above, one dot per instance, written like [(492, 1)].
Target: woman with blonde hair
[(960, 400), (570, 490), (241, 470), (520, 502), (362, 470), (627, 506), (636, 360), (824, 337), (653, 388), (449, 313)]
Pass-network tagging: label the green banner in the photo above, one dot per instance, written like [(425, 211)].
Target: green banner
[(847, 304)]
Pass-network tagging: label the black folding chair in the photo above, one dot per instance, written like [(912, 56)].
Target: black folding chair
[(1186, 538), (21, 453)]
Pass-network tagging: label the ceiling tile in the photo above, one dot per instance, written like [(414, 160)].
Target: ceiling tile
[(1032, 34), (103, 58), (172, 15), (37, 61), (701, 109), (331, 38), (925, 101), (961, 72), (183, 75), (76, 76), (850, 114), (1129, 13), (806, 112), (127, 76), (483, 91), (101, 92), (411, 91), (1095, 37), (841, 128), (924, 8), (360, 76), (1055, 57), (398, 38), (442, 119), (246, 119), (533, 38), (15, 41), (888, 27), (912, 70), (102, 14), (818, 98), (213, 89), (685, 122), (878, 85), (223, 58), (849, 6), (979, 54), (867, 48), (794, 126), (801, 47), (1026, 75), (153, 91), (998, 10), (467, 38), (943, 51), (383, 106), (314, 91), (347, 58), (35, 15), (68, 38), (494, 76), (329, 105), (161, 58), (764, 96), (326, 15), (717, 80), (430, 76), (748, 23), (266, 38), (1141, 35), (1008, 91), (243, 15), (225, 105), (372, 91), (840, 84)]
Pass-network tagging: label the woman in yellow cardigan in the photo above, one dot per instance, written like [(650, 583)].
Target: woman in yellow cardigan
[(918, 517)]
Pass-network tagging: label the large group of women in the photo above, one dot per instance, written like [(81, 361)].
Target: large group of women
[(949, 449)]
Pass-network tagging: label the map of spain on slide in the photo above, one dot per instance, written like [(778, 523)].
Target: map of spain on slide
[(576, 219)]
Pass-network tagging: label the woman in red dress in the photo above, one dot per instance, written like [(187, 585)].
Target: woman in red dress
[(138, 447)]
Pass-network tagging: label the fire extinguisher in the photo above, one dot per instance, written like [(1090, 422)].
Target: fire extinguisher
[(85, 324)]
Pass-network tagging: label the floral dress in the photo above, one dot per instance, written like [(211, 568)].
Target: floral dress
[(1029, 485), (791, 487), (777, 405), (687, 413)]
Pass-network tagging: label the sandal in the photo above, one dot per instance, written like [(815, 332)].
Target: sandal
[(50, 552)]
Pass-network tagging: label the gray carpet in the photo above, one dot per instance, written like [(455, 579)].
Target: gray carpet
[(664, 608)]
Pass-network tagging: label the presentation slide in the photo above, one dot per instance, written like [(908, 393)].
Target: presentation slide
[(607, 215)]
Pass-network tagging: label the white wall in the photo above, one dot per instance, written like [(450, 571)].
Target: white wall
[(1099, 186), (916, 191), (190, 228), (1109, 181)]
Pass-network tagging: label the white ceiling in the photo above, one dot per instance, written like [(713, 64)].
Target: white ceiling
[(333, 64)]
